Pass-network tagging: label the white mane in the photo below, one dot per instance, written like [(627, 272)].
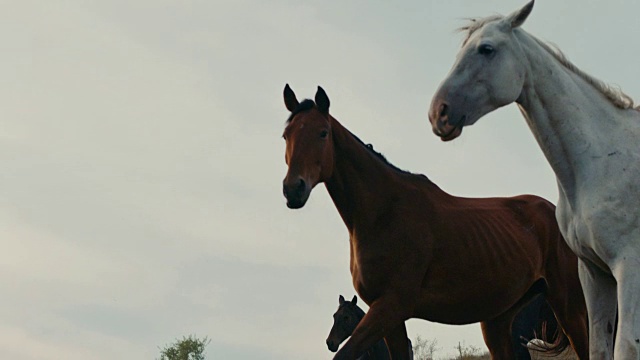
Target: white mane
[(613, 93)]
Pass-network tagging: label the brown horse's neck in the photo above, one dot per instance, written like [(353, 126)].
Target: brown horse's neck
[(363, 185)]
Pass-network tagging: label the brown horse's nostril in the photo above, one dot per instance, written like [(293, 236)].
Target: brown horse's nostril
[(294, 187), (294, 190), (301, 186)]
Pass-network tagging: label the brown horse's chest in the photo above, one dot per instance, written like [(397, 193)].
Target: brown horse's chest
[(368, 280), (373, 268), (366, 285)]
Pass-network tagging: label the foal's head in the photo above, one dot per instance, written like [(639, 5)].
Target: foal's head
[(345, 321), (309, 151)]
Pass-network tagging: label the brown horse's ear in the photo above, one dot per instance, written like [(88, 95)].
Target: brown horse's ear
[(355, 300), (341, 300), (322, 101), (290, 100)]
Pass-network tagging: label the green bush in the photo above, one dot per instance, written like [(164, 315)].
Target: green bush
[(189, 348)]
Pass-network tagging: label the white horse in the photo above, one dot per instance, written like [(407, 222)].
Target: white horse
[(590, 134)]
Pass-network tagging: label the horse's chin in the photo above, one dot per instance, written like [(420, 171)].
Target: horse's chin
[(451, 135), (448, 131), (297, 203)]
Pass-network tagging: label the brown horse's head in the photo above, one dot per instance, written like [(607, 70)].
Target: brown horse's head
[(309, 151), (345, 321)]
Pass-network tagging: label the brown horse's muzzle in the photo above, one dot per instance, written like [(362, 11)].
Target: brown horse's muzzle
[(296, 191)]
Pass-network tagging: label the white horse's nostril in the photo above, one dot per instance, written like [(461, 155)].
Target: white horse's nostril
[(443, 111)]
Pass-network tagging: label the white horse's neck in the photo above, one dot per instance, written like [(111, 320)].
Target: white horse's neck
[(567, 116)]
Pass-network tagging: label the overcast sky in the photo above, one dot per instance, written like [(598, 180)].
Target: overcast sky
[(140, 191)]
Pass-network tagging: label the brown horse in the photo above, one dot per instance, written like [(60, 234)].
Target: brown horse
[(418, 252)]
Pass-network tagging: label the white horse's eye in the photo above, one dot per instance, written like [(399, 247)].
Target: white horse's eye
[(486, 49)]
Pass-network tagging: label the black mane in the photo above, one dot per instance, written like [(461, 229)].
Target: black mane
[(308, 104), (379, 155)]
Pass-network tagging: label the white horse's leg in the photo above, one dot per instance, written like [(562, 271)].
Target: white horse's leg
[(600, 295), (628, 334)]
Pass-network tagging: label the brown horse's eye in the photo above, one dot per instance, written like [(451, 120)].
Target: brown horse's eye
[(324, 134)]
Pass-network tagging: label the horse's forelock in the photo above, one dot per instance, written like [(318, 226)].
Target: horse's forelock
[(474, 24), (306, 104)]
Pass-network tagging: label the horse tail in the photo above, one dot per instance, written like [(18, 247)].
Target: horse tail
[(554, 341), (559, 345)]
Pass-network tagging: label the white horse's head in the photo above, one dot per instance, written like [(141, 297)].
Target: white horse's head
[(489, 72)]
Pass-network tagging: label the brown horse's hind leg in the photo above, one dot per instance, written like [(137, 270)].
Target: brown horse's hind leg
[(497, 336), (398, 343), (570, 310), (566, 298), (497, 331)]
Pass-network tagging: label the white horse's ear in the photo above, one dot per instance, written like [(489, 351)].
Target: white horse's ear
[(518, 17)]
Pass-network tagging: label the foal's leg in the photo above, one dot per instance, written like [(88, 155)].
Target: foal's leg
[(497, 336), (398, 343), (384, 315), (628, 334), (600, 295)]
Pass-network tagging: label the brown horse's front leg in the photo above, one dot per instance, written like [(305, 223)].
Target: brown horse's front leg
[(497, 336), (384, 316)]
